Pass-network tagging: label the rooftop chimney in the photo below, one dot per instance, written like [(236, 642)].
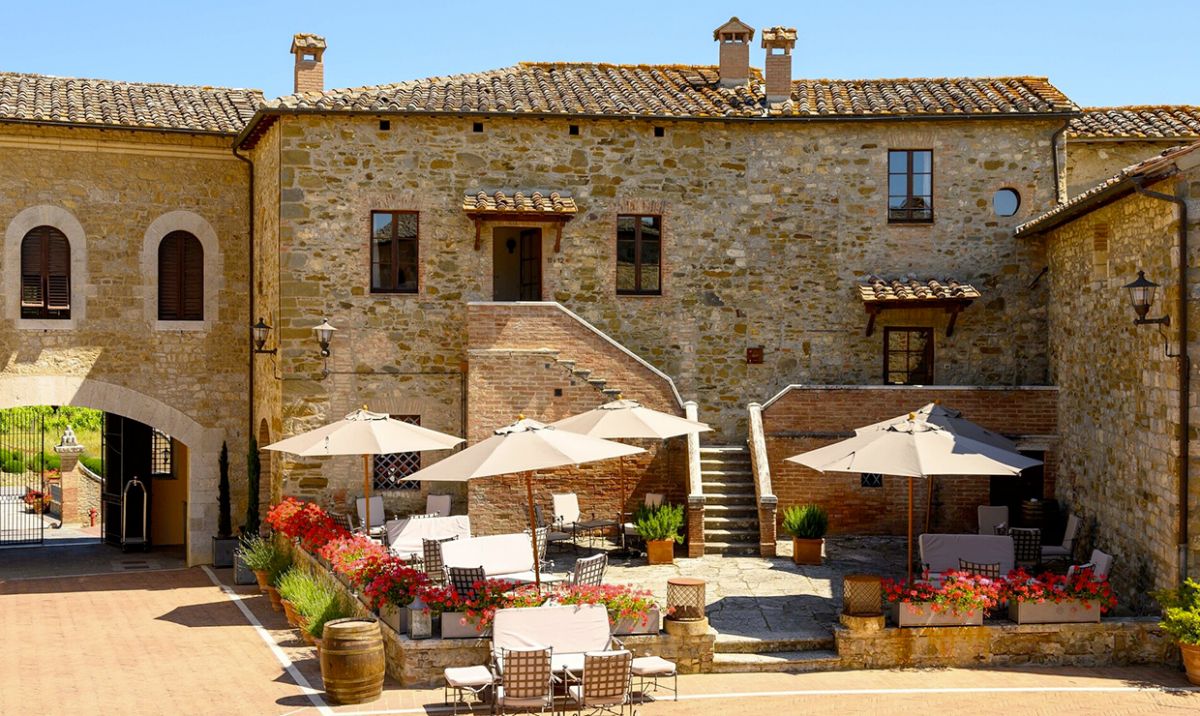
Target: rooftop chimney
[(735, 37), (778, 42), (310, 69)]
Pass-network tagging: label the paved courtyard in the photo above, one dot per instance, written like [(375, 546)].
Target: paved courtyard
[(174, 642)]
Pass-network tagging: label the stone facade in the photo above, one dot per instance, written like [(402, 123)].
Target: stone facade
[(1091, 162), (806, 417), (106, 191), (1119, 399), (791, 218)]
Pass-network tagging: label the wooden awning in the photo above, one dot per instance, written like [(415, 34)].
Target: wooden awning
[(534, 206), (880, 294)]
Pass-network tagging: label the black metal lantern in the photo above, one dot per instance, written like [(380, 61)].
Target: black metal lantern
[(324, 334), (1141, 297), (261, 332)]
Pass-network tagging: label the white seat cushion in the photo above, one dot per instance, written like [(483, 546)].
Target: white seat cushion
[(652, 666), (1053, 550), (575, 693), (472, 676)]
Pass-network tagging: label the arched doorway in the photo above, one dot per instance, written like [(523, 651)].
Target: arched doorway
[(193, 445)]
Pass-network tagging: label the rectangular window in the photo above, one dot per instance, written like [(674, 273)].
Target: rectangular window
[(394, 252), (390, 471), (908, 356), (872, 479), (161, 460), (910, 186), (639, 255)]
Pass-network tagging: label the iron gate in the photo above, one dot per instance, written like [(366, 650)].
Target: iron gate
[(23, 493)]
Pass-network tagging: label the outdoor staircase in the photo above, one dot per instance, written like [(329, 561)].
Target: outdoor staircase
[(730, 506), (795, 654), (576, 373)]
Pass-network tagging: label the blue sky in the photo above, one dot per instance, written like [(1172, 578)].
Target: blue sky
[(1098, 52)]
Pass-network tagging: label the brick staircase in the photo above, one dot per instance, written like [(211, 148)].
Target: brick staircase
[(794, 654), (730, 507), (575, 373)]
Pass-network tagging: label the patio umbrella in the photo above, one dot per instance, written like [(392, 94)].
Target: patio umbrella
[(523, 447), (628, 419), (365, 433), (952, 421), (912, 449)]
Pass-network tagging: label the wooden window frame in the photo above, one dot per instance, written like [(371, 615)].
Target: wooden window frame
[(637, 255), (908, 187), (887, 352), (416, 240), (43, 312), (182, 277)]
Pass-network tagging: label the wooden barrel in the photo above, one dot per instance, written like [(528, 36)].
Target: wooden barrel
[(1031, 513), (352, 663)]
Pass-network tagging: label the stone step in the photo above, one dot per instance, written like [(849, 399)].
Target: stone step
[(566, 363), (582, 373), (724, 450), (732, 510), (792, 662), (722, 525), (598, 382), (738, 499), (727, 472), (722, 487), (731, 535), (809, 640), (731, 549), (612, 393)]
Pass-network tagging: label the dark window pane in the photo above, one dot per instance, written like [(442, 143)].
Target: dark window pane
[(381, 224), (406, 226), (625, 226), (908, 356)]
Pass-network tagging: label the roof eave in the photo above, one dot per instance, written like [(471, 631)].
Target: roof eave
[(1118, 190), (122, 127)]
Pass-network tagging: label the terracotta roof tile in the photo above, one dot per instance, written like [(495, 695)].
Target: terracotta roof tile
[(1148, 122), (307, 41), (912, 289), (551, 202), (1160, 165), (42, 98), (684, 91)]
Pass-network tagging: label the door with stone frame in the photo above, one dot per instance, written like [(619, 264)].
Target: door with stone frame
[(516, 264)]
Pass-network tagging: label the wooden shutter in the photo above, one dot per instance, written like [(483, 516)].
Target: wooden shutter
[(33, 269), (58, 272), (180, 278)]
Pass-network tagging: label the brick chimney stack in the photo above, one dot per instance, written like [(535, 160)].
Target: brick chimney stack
[(735, 37), (778, 42), (310, 69)]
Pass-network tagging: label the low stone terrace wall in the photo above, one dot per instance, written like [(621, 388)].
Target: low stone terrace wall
[(1112, 642), (421, 662)]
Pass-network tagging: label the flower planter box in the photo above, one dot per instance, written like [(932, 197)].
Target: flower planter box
[(241, 573), (921, 614), (634, 625), (1070, 611), (455, 625), (394, 617)]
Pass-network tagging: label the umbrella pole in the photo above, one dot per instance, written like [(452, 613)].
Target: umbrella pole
[(367, 493), (533, 527), (910, 504), (928, 503)]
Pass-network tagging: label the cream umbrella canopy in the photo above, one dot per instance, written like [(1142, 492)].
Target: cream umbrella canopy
[(523, 447), (365, 433), (629, 419), (912, 449), (952, 421)]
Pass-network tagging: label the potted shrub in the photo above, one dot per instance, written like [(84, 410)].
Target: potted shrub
[(295, 586), (1056, 599), (278, 568), (960, 600), (659, 526), (391, 589), (807, 525), (223, 543), (318, 607), (260, 556), (1181, 619)]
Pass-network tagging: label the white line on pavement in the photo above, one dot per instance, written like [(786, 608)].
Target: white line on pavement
[(313, 695)]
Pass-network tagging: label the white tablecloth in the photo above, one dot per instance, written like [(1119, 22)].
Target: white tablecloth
[(405, 535)]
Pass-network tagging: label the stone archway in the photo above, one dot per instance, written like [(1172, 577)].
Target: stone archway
[(203, 443)]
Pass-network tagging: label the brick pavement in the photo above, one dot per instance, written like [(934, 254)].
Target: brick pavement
[(171, 642)]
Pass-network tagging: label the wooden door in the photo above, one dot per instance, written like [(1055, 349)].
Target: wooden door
[(531, 265)]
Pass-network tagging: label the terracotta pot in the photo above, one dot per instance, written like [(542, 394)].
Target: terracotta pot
[(261, 576), (1191, 661), (806, 551), (660, 551), (318, 644), (308, 638), (289, 611), (276, 602)]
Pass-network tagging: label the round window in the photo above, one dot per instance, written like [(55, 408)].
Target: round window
[(1005, 202)]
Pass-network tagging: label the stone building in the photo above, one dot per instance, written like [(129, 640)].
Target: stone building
[(101, 181), (798, 257), (1119, 382)]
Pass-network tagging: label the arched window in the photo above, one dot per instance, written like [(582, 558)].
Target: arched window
[(180, 278), (45, 274)]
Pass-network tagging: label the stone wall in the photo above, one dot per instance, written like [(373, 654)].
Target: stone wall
[(806, 417), (767, 229), (1118, 405), (1112, 642), (1091, 162), (114, 193)]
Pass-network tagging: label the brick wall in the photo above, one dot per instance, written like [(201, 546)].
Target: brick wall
[(804, 418)]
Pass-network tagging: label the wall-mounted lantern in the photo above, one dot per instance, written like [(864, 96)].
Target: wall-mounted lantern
[(324, 334), (1141, 297), (261, 332)]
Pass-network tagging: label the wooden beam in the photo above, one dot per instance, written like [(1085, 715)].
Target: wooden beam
[(872, 312)]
